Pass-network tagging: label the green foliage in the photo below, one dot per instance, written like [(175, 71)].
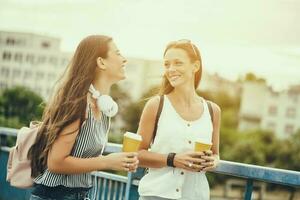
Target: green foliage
[(133, 113), (134, 110), (223, 99), (120, 96), (251, 77), (13, 122), (115, 138), (229, 118), (19, 106), (288, 156)]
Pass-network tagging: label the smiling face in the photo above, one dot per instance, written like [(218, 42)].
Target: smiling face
[(179, 69), (183, 65), (114, 64)]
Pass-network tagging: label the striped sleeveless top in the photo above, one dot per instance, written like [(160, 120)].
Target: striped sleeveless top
[(88, 143)]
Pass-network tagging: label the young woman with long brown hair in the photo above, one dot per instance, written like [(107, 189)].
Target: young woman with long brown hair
[(176, 171), (75, 123)]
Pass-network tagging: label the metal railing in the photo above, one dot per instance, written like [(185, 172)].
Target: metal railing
[(117, 187)]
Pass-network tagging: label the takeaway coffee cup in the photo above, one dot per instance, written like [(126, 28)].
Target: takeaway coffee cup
[(202, 146), (131, 142)]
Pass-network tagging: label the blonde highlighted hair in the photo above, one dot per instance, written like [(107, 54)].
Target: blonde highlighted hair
[(194, 55)]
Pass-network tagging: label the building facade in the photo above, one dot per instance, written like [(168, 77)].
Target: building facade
[(141, 75), (262, 108), (31, 60)]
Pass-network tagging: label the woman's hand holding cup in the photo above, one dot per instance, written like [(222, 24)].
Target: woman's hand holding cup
[(124, 161), (131, 143), (211, 161), (190, 161)]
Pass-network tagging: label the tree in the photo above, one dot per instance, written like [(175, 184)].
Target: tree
[(19, 106), (252, 77), (288, 156), (134, 110), (222, 98), (123, 100)]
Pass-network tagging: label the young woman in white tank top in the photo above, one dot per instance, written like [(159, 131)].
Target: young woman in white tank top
[(176, 171)]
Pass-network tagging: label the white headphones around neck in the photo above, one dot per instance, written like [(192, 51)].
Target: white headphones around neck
[(107, 105)]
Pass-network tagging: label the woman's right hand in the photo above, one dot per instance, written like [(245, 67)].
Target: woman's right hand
[(122, 161), (190, 161)]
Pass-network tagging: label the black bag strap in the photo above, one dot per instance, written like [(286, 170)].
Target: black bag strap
[(161, 103), (211, 112)]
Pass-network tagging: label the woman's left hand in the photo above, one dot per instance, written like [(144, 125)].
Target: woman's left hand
[(211, 161)]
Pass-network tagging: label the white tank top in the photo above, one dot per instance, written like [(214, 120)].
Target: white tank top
[(174, 134)]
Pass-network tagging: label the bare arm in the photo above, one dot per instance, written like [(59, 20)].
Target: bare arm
[(216, 129), (146, 127), (60, 161), (214, 156)]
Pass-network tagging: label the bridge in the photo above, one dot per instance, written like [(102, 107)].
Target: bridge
[(117, 187)]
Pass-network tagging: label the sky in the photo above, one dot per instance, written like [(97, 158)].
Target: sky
[(234, 37)]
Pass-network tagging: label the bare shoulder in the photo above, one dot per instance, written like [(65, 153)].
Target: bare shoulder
[(71, 129), (149, 112), (216, 108), (152, 105)]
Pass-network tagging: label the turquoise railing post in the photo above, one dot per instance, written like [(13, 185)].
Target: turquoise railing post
[(249, 189), (128, 186)]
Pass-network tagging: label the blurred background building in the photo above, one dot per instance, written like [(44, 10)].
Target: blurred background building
[(31, 60), (141, 75), (263, 108), (36, 62)]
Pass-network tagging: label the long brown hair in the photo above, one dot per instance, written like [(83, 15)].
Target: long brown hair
[(68, 103), (194, 55)]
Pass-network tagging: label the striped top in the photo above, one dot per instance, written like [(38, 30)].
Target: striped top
[(88, 143)]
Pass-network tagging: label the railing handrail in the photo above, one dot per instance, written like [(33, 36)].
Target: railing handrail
[(260, 173), (248, 171), (8, 131)]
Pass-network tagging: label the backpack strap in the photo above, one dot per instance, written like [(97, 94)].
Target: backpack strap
[(211, 112), (161, 103)]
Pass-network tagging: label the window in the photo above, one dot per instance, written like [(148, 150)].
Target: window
[(18, 57), (10, 41), (40, 75), (29, 58), (53, 60), (294, 98), (16, 73), (3, 85), (272, 110), (6, 55), (291, 112), (27, 75), (45, 45), (51, 77), (289, 128), (5, 72), (41, 59), (271, 126)]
